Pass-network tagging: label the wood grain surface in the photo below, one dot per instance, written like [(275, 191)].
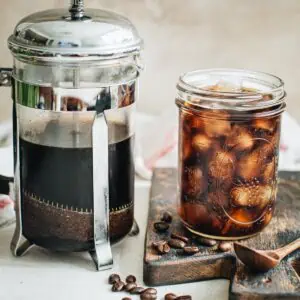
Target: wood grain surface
[(282, 282)]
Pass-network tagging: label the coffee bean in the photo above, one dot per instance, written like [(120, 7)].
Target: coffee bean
[(158, 243), (118, 286), (130, 286), (146, 296), (130, 278), (167, 217), (190, 250), (151, 291), (177, 244), (206, 242), (225, 246), (137, 290), (126, 298), (161, 246), (161, 226), (179, 237), (170, 296), (163, 249), (184, 297), (113, 278)]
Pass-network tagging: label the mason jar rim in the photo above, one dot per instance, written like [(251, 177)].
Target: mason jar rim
[(192, 88)]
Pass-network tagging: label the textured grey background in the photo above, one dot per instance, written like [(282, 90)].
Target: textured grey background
[(182, 35)]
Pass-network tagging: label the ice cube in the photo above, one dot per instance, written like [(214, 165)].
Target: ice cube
[(242, 217), (234, 85), (215, 127), (251, 196), (222, 165), (265, 124), (201, 142), (240, 139), (196, 122), (185, 148), (196, 214), (269, 171), (239, 217), (217, 199), (250, 165), (195, 181)]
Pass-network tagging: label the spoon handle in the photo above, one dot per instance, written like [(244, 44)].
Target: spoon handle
[(291, 247)]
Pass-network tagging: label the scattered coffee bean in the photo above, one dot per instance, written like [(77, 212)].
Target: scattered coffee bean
[(113, 278), (130, 286), (179, 237), (184, 297), (190, 250), (146, 296), (161, 246), (206, 242), (151, 291), (158, 243), (118, 286), (163, 249), (126, 298), (137, 290), (170, 296), (167, 217), (130, 278), (161, 226), (225, 246), (177, 244)]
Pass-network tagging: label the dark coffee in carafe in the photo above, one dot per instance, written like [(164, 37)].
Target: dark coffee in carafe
[(57, 192)]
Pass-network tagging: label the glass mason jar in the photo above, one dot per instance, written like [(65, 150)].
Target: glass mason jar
[(229, 130)]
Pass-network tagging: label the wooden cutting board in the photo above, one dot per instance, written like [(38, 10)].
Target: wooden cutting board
[(282, 282)]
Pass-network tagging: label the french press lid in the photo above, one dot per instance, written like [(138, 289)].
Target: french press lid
[(73, 35)]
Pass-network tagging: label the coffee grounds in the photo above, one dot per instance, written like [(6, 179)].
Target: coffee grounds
[(67, 229)]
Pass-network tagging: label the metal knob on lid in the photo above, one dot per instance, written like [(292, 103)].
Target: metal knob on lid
[(77, 9)]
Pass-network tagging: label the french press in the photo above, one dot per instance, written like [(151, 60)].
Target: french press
[(74, 87)]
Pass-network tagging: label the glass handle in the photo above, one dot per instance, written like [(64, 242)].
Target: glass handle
[(5, 76), (101, 254)]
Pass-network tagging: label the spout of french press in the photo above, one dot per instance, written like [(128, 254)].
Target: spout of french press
[(77, 9)]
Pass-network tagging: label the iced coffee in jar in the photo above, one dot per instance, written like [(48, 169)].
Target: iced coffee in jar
[(228, 150)]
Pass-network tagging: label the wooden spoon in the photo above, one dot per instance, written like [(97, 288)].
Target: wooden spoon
[(263, 261)]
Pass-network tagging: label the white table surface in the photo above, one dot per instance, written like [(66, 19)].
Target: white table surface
[(42, 275)]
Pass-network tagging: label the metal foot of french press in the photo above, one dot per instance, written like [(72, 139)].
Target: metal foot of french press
[(19, 245), (19, 248), (102, 257), (135, 230)]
